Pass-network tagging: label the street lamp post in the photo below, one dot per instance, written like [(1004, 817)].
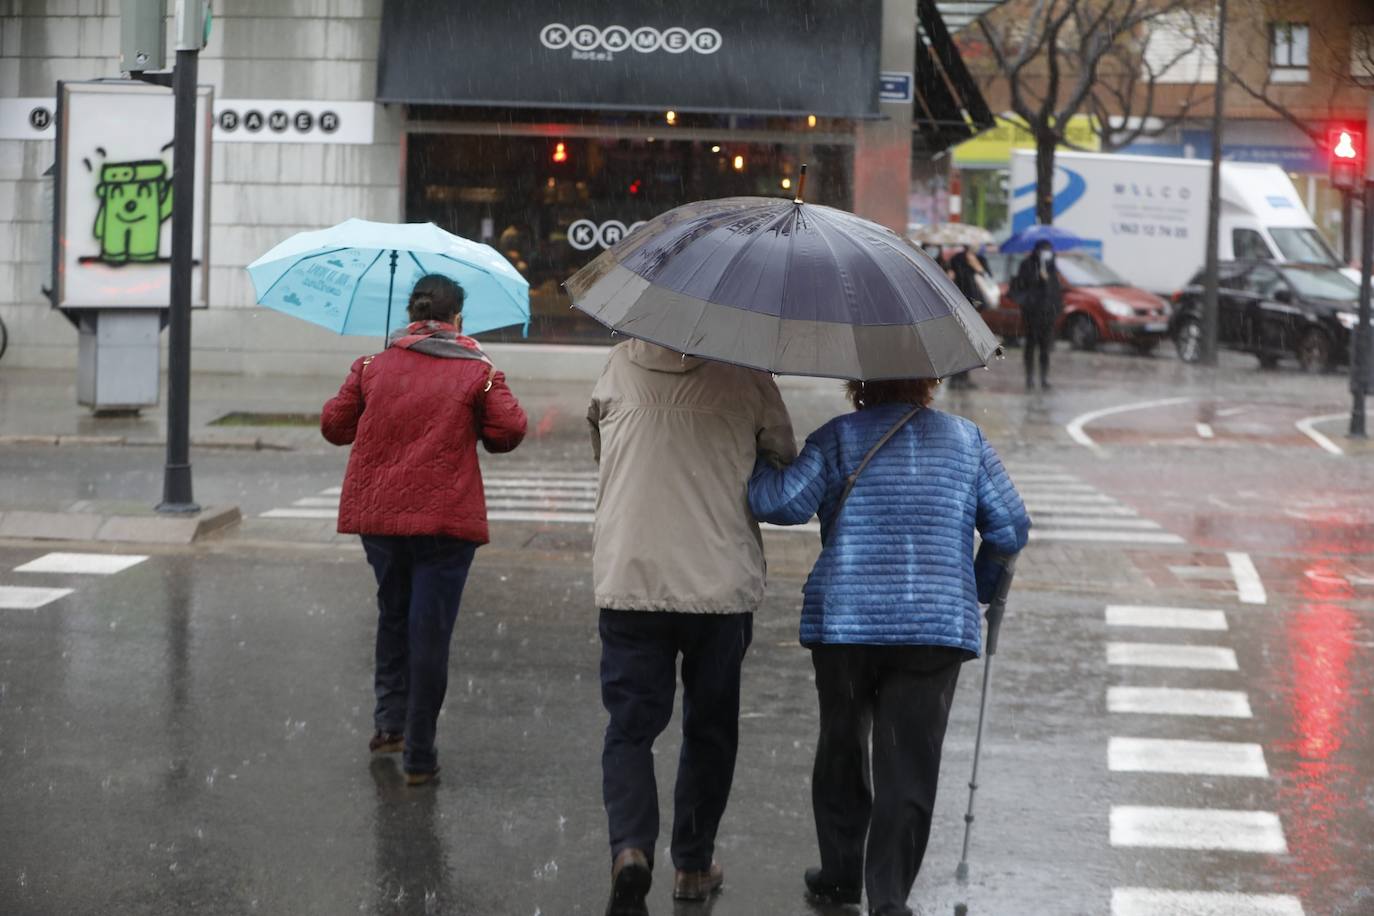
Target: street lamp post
[(1209, 309), (176, 479)]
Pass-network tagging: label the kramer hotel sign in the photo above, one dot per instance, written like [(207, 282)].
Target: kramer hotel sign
[(741, 56), (236, 120)]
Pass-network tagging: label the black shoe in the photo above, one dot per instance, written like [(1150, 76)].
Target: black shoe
[(1045, 384), (631, 876), (823, 890), (1030, 383)]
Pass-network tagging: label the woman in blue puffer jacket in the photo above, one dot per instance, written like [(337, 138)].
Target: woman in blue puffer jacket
[(890, 612)]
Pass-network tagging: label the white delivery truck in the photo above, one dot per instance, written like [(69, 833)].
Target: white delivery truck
[(1146, 216)]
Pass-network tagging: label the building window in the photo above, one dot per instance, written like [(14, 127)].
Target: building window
[(1362, 54), (1288, 52), (1180, 48), (551, 203)]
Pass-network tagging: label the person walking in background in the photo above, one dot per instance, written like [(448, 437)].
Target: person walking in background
[(1037, 292), (890, 612), (414, 414), (937, 254), (678, 569), (970, 274)]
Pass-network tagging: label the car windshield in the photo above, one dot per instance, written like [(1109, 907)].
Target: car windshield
[(1084, 271), (1304, 246), (1321, 283)]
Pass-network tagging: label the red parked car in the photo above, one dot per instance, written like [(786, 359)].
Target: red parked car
[(1099, 306)]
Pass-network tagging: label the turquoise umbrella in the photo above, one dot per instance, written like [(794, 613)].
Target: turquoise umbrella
[(355, 278)]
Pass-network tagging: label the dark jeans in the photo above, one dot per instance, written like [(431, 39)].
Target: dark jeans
[(420, 582), (901, 694), (1039, 336), (639, 652)]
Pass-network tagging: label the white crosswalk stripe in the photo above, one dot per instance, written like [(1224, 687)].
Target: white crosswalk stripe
[(1064, 508), (1206, 758), (1134, 615), (1177, 701), (33, 597), (29, 598), (1170, 655), (1144, 826), (1145, 901), (90, 564), (1197, 828)]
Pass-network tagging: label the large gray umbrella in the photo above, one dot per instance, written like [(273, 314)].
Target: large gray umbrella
[(788, 287)]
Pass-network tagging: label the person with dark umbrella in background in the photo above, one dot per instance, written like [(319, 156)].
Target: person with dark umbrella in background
[(890, 613), (414, 414), (1038, 294)]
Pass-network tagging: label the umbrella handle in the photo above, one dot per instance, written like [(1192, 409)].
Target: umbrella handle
[(390, 287)]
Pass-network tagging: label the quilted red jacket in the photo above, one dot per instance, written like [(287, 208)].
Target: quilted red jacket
[(414, 420)]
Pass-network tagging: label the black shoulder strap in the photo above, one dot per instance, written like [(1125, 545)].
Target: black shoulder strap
[(854, 477)]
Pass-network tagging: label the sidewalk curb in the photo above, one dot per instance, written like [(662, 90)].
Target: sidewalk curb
[(242, 444), (128, 528)]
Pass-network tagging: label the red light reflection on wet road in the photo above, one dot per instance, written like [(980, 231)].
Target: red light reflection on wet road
[(1318, 790)]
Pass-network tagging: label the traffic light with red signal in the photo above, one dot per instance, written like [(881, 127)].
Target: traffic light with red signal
[(1346, 150)]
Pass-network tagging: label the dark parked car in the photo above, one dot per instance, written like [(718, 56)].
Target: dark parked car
[(1099, 305), (1272, 310)]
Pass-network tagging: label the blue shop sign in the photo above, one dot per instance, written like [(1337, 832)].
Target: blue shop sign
[(1198, 145)]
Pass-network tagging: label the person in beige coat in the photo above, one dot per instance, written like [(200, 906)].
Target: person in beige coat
[(678, 569)]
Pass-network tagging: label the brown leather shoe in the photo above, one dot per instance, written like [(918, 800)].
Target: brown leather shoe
[(422, 778), (387, 743), (631, 876), (698, 885)]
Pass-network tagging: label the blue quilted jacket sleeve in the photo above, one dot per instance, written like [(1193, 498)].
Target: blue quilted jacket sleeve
[(1001, 519), (793, 494)]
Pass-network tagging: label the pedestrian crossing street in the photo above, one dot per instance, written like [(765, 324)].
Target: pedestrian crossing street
[(30, 597), (1064, 507), (1206, 764)]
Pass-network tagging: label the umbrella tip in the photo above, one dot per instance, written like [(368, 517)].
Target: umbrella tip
[(801, 185)]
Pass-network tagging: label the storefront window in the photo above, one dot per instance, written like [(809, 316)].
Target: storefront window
[(550, 204)]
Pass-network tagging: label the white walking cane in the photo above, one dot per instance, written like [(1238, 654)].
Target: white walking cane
[(996, 608)]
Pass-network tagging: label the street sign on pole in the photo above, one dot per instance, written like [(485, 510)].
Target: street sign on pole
[(142, 36)]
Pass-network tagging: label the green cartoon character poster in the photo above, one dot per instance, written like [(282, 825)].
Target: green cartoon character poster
[(113, 201), (135, 200)]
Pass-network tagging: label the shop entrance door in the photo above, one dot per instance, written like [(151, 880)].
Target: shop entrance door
[(551, 204)]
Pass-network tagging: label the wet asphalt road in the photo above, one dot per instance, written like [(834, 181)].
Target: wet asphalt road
[(189, 734)]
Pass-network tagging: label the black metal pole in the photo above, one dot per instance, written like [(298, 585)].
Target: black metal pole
[(1209, 307), (176, 479), (1359, 363), (1347, 230)]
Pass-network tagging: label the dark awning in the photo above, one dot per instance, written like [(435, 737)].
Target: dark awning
[(730, 56), (948, 106)]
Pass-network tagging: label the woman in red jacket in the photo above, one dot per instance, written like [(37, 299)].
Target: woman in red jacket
[(413, 489)]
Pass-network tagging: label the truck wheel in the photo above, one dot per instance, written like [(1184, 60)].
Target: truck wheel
[(1314, 351), (1188, 340), (1082, 333), (1268, 361)]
